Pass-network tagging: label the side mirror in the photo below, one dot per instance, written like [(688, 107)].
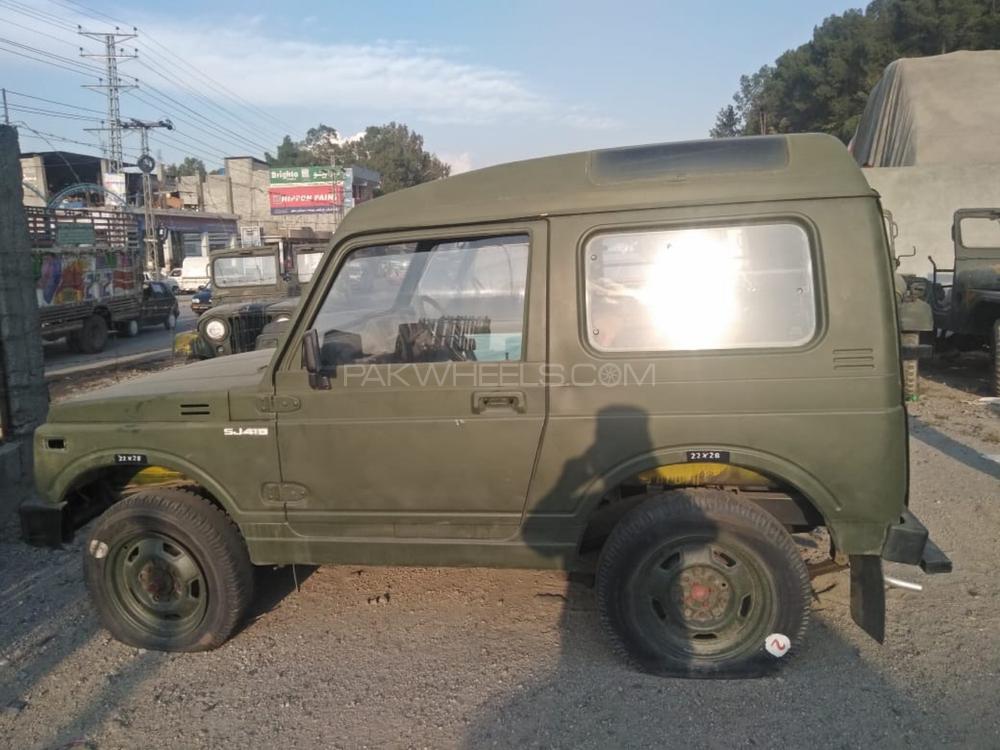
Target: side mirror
[(311, 362)]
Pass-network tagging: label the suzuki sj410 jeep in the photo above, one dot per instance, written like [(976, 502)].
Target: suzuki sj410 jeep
[(654, 364)]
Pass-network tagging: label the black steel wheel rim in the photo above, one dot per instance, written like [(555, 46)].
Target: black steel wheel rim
[(157, 585), (701, 597)]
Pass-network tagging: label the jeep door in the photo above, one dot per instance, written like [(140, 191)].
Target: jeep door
[(427, 420)]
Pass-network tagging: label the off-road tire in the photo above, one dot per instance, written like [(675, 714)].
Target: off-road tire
[(191, 525), (911, 368), (93, 337), (647, 639)]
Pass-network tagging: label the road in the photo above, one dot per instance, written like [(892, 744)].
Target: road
[(397, 657), (59, 358)]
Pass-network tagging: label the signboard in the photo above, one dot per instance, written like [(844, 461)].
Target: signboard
[(250, 237), (75, 234), (307, 190), (114, 183)]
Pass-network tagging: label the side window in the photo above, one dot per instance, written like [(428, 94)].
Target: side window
[(732, 287), (432, 301)]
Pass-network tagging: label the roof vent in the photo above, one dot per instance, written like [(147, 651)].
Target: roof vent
[(196, 410)]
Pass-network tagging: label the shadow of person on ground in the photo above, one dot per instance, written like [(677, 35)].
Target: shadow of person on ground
[(591, 698), (953, 448)]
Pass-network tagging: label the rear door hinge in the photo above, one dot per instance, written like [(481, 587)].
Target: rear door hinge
[(273, 403)]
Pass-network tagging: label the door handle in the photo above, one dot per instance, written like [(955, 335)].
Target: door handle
[(483, 401)]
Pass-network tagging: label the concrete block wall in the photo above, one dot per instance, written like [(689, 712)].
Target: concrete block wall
[(21, 364), (923, 201)]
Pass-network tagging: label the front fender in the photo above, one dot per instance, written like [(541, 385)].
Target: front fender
[(92, 463)]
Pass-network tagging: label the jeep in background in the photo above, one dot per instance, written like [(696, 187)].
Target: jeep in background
[(916, 319), (967, 310), (655, 365), (245, 284)]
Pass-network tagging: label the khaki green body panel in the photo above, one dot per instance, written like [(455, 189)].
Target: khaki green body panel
[(418, 474), (826, 418)]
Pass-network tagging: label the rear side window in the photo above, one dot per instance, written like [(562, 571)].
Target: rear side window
[(732, 287)]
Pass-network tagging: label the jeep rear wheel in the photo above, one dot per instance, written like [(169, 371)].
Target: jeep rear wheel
[(693, 583), (169, 571)]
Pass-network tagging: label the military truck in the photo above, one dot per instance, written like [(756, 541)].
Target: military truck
[(88, 271), (245, 284), (916, 319), (653, 365), (967, 308)]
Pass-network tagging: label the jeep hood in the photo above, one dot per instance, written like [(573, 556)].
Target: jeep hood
[(198, 390)]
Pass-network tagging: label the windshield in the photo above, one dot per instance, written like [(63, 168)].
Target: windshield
[(307, 263), (255, 270)]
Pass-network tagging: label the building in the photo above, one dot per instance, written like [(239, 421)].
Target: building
[(70, 180), (251, 189)]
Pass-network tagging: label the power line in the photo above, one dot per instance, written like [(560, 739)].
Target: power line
[(53, 101), (78, 71), (49, 113), (39, 32), (147, 37), (62, 61), (38, 15)]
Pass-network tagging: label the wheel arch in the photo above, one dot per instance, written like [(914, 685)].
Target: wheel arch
[(94, 467), (786, 473)]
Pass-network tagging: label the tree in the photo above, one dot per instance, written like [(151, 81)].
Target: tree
[(727, 123), (397, 153), (290, 154), (392, 150), (823, 85), (190, 166)]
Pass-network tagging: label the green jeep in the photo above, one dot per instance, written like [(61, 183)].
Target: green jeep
[(250, 289), (654, 365), (967, 309)]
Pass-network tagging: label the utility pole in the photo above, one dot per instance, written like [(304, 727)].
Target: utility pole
[(146, 165), (112, 54), (6, 113)]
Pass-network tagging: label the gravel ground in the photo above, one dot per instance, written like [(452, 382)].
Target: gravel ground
[(395, 657)]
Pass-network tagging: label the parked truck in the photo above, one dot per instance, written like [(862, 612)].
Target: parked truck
[(88, 273)]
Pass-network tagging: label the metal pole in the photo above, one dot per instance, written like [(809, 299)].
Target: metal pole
[(6, 113)]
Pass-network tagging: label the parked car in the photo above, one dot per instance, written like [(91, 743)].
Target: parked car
[(159, 305), (169, 281), (202, 299), (194, 274), (654, 365)]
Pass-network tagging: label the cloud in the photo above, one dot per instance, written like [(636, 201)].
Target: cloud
[(380, 78), (459, 162)]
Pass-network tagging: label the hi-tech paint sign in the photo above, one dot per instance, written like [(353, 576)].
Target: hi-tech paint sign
[(308, 190)]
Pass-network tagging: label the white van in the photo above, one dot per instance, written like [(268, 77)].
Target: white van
[(194, 274)]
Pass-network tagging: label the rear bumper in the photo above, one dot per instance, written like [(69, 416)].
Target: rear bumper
[(909, 542)]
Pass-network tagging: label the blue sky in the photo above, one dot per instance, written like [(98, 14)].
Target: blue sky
[(483, 82)]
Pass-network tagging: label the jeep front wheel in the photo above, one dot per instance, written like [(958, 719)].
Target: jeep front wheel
[(169, 571), (697, 583)]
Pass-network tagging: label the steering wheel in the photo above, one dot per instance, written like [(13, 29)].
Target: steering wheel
[(423, 302)]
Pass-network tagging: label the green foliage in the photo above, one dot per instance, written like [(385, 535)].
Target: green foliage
[(727, 123), (822, 86), (190, 166), (392, 150)]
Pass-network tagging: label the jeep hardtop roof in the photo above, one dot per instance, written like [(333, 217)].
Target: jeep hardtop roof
[(727, 170)]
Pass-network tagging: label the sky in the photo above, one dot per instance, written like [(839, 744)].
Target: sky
[(483, 82)]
